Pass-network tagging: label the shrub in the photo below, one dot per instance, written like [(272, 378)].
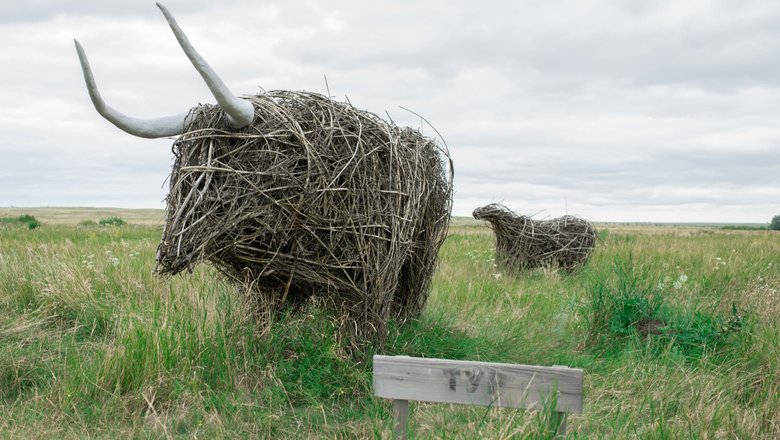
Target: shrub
[(775, 224), (31, 221), (111, 221)]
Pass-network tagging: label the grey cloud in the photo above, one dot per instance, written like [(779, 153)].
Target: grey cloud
[(43, 10), (612, 109), (574, 46)]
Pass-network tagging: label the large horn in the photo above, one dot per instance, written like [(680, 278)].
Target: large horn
[(147, 128), (240, 112)]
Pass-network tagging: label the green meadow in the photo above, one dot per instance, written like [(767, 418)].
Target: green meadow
[(93, 344)]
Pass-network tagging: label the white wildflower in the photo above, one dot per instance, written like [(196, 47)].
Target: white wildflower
[(680, 281)]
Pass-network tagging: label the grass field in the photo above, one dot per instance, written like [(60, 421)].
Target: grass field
[(73, 216), (93, 344)]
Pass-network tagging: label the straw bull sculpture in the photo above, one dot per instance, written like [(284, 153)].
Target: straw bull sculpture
[(296, 196)]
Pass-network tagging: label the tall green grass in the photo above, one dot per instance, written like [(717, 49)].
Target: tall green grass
[(638, 306), (93, 344)]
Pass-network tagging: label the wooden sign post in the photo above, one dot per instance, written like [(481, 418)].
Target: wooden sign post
[(404, 378)]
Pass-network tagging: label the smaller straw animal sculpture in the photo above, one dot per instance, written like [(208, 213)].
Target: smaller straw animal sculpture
[(523, 243)]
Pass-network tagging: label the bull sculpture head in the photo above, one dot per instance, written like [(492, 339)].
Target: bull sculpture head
[(296, 196), (239, 112)]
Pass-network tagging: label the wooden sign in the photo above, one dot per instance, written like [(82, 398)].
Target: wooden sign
[(404, 378)]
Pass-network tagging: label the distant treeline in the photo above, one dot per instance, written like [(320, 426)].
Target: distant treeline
[(744, 228)]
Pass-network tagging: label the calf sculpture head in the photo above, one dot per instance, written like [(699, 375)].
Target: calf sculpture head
[(296, 196)]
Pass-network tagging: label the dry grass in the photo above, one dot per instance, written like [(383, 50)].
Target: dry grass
[(93, 345), (74, 215)]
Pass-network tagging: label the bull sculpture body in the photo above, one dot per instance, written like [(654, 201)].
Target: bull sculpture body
[(294, 196), (522, 242)]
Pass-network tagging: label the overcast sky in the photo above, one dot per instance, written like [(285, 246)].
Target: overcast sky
[(611, 110)]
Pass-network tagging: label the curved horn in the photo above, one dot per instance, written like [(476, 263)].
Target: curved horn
[(240, 112), (146, 128)]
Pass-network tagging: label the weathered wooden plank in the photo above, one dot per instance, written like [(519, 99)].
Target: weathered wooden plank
[(401, 418), (477, 383), (559, 421)]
